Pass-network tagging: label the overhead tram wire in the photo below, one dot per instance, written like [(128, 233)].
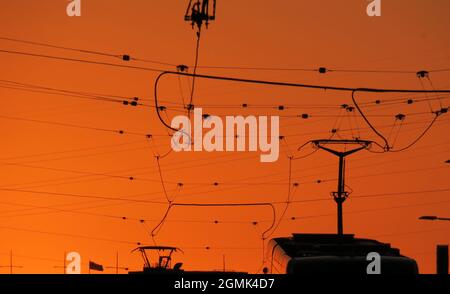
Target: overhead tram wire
[(293, 218), (157, 228), (80, 60), (115, 98), (333, 88), (208, 247), (298, 85), (60, 234), (194, 77), (249, 68), (389, 90), (125, 100), (109, 175), (44, 154), (70, 125), (187, 74), (33, 88), (119, 56), (321, 70), (136, 174), (243, 204), (314, 200), (303, 182)]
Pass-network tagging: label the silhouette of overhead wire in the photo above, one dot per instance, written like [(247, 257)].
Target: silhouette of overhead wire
[(288, 201), (320, 70), (225, 155), (129, 178), (84, 196), (252, 204), (127, 57), (284, 84), (302, 217), (120, 132), (84, 203), (197, 48), (215, 222), (44, 154), (386, 146), (124, 57), (122, 100), (80, 60), (106, 175), (64, 234)]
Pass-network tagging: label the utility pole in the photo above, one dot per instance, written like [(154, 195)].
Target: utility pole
[(223, 260), (341, 195), (117, 267), (117, 262), (63, 266), (11, 265)]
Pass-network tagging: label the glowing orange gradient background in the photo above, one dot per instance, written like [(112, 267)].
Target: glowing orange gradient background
[(410, 35)]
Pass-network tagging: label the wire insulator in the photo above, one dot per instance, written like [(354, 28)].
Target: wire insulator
[(182, 68), (400, 116), (422, 74)]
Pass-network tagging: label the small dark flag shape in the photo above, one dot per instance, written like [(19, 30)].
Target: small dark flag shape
[(95, 266)]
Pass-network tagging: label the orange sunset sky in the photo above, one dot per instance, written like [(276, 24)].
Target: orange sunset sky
[(63, 159)]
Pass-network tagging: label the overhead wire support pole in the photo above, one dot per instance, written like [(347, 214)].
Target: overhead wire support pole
[(198, 13), (11, 265), (341, 195)]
